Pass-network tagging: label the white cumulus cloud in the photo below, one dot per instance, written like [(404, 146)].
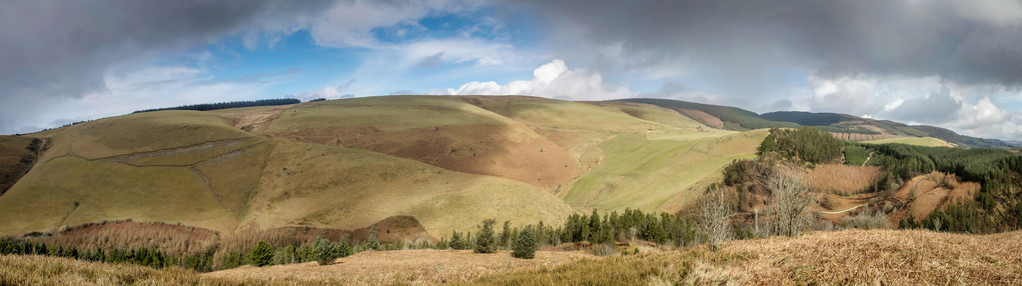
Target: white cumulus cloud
[(553, 80)]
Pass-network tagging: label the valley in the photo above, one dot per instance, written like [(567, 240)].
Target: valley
[(412, 172)]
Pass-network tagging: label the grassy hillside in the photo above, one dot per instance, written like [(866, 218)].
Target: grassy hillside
[(106, 191), (734, 118), (440, 131), (644, 172), (952, 137), (808, 118), (140, 166), (17, 156), (344, 188), (202, 169), (917, 141), (347, 164)]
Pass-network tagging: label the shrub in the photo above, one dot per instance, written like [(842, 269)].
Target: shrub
[(262, 254), (864, 220), (485, 242), (604, 249), (323, 251), (525, 244), (457, 242)]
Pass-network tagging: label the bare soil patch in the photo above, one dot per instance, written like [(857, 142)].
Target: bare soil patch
[(254, 119)]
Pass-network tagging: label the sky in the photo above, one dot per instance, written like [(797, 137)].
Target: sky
[(950, 63)]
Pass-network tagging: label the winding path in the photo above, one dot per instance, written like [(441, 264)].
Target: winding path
[(844, 211)]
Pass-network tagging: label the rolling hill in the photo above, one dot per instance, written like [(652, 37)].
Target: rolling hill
[(410, 171), (448, 162)]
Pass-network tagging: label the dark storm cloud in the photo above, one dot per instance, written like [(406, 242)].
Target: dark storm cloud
[(62, 48), (962, 41), (938, 107)]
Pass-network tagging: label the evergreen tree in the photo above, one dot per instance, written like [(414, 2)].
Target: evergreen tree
[(505, 235), (525, 244), (584, 234), (262, 254), (323, 251), (595, 224), (305, 253), (442, 244), (485, 242), (457, 242), (372, 243)]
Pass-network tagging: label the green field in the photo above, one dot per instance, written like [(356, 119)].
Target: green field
[(645, 174), (917, 141)]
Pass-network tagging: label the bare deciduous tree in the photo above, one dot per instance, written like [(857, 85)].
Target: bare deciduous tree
[(789, 200), (715, 211)]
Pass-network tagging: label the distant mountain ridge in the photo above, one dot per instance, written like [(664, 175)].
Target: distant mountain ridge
[(851, 126), (889, 127)]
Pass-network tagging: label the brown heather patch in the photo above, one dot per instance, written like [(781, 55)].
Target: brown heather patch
[(702, 117), (844, 179), (172, 239), (851, 257), (882, 257)]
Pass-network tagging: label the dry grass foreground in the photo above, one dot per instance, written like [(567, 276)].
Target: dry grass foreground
[(851, 257), (406, 267)]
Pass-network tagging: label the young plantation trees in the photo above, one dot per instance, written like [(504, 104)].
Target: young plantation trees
[(485, 240), (262, 254), (525, 244)]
